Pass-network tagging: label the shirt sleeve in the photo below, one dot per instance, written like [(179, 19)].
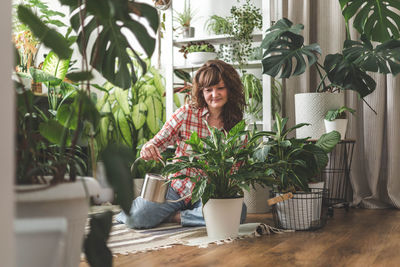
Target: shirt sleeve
[(169, 133)]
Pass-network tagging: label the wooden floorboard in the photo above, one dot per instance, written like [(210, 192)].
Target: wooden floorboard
[(359, 237)]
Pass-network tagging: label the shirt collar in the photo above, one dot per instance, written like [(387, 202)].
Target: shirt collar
[(204, 112)]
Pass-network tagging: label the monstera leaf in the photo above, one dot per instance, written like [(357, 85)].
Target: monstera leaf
[(375, 18), (111, 50), (284, 46), (385, 58), (347, 75)]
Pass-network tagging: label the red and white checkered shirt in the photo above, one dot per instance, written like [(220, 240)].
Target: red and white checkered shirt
[(178, 129)]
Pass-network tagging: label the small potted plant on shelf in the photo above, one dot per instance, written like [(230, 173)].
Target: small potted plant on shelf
[(291, 164), (349, 69), (184, 19), (253, 96), (240, 25), (335, 120), (224, 168), (198, 52)]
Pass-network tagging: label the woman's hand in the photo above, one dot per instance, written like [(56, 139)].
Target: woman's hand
[(150, 151)]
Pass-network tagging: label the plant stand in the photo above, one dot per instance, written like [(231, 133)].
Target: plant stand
[(336, 175)]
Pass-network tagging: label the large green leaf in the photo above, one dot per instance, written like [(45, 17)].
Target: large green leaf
[(328, 141), (122, 98), (55, 66), (154, 113), (385, 58), (139, 115), (110, 51), (53, 131), (50, 37), (378, 19), (41, 76), (123, 126), (347, 75), (280, 28)]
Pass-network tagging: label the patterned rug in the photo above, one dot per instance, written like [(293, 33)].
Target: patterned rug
[(124, 240)]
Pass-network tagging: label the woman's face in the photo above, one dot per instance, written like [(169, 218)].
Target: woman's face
[(216, 96)]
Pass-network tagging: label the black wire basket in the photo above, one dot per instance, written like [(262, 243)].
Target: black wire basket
[(306, 211)]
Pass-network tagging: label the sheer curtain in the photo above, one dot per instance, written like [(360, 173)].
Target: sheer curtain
[(375, 175)]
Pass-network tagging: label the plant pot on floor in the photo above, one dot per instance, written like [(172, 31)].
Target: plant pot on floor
[(312, 108), (339, 125), (256, 199), (200, 57), (66, 200), (302, 212), (222, 217)]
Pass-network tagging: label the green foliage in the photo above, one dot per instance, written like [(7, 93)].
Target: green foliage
[(378, 20), (110, 53), (201, 46), (131, 117), (284, 45), (348, 70), (339, 113), (253, 94), (289, 162), (185, 18), (240, 25), (222, 163), (218, 25)]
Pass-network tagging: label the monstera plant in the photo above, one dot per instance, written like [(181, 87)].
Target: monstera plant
[(286, 54)]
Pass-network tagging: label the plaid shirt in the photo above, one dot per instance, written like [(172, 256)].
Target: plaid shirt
[(177, 130)]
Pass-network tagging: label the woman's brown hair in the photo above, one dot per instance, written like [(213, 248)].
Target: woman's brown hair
[(211, 74)]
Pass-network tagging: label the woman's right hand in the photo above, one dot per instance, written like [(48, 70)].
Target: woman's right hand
[(150, 151)]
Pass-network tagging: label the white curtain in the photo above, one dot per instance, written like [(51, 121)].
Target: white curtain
[(375, 175)]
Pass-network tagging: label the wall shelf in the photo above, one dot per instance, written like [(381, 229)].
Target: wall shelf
[(214, 39), (250, 65)]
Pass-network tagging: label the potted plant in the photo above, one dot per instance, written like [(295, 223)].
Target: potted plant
[(64, 130), (224, 168), (240, 25), (335, 120), (348, 70), (184, 19), (253, 96), (291, 164), (198, 52)]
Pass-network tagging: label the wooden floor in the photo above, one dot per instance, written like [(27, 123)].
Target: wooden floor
[(359, 237)]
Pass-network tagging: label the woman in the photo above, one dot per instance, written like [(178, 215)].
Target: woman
[(217, 98)]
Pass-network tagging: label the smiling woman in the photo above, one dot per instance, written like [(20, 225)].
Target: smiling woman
[(218, 101)]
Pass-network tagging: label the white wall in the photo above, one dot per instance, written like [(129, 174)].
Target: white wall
[(6, 140)]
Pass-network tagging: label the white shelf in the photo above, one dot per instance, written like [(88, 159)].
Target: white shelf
[(249, 65), (214, 39)]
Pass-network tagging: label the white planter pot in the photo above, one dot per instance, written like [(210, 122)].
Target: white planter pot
[(106, 193), (312, 108), (256, 199), (339, 125), (301, 212), (66, 200), (200, 57), (222, 217)]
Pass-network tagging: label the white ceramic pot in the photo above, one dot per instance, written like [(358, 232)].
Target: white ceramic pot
[(200, 57), (300, 212), (339, 125), (312, 108), (222, 217), (66, 200), (106, 193), (256, 199)]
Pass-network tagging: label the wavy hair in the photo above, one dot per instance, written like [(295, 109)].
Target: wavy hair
[(211, 74)]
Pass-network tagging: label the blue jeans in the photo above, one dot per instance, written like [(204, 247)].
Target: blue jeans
[(146, 214)]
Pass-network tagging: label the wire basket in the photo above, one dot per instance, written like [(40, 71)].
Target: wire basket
[(305, 211)]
